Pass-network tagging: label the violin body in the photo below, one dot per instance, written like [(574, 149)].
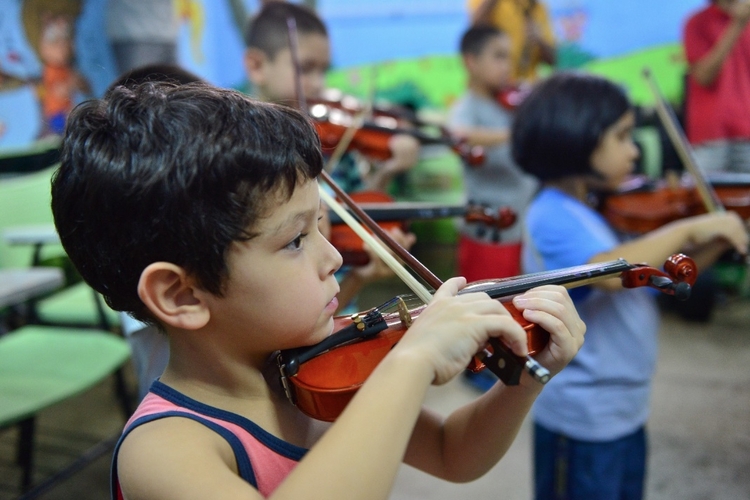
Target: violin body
[(372, 137), (321, 380), (512, 96), (324, 386), (639, 211)]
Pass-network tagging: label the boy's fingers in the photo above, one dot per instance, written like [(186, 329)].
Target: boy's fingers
[(450, 288)]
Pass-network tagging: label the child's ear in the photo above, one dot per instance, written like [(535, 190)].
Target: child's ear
[(173, 296), (254, 61)]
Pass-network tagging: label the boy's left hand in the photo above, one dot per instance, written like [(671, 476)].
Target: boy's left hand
[(405, 153), (551, 308)]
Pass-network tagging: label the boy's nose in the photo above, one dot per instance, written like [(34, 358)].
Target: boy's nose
[(332, 258)]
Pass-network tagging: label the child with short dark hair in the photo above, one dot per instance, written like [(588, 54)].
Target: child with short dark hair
[(574, 133), (196, 208), (498, 182), (270, 69)]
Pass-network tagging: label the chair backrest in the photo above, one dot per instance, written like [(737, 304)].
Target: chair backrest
[(24, 201)]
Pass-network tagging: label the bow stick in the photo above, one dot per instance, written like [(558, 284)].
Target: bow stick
[(707, 193)]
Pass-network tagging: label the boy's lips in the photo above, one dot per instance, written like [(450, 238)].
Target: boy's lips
[(333, 305)]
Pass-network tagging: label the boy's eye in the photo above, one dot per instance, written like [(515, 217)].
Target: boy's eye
[(296, 243)]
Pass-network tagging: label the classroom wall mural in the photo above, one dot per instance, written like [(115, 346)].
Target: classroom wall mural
[(54, 53)]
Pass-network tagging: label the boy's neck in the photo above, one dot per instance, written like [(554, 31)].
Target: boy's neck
[(481, 90)]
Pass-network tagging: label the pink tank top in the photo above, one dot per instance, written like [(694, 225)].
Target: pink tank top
[(263, 460)]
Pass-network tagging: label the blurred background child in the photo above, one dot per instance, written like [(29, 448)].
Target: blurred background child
[(574, 133)]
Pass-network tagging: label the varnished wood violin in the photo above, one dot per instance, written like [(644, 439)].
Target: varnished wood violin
[(642, 210), (322, 379), (372, 135)]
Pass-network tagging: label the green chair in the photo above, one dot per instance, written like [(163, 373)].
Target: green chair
[(41, 366), (74, 358), (25, 201)]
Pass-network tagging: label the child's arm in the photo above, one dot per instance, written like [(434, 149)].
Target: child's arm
[(482, 136), (404, 155), (466, 444), (707, 68), (710, 234)]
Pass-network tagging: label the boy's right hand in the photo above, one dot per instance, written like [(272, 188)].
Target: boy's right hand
[(726, 225), (453, 328)]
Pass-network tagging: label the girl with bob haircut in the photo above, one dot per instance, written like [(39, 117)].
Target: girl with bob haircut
[(574, 133)]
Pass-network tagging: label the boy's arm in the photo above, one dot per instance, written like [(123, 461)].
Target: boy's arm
[(707, 68), (471, 440), (405, 150), (482, 136)]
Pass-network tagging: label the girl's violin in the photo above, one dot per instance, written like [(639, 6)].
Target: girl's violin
[(512, 96), (389, 214), (333, 118), (321, 379), (641, 206), (643, 211)]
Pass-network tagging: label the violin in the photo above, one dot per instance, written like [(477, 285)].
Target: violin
[(640, 206), (643, 211), (321, 379), (512, 96), (388, 214), (332, 119)]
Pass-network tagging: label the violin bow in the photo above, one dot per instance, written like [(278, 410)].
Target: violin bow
[(676, 135)]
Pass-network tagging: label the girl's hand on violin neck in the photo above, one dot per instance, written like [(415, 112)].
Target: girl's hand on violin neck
[(551, 308), (454, 328), (726, 226)]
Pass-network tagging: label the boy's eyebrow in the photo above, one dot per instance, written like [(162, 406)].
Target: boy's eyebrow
[(302, 216)]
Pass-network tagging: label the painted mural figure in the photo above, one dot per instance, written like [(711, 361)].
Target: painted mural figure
[(49, 29)]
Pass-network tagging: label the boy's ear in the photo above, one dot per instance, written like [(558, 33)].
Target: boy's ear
[(173, 296), (255, 61)]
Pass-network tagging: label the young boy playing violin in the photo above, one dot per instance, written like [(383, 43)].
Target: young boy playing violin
[(498, 182), (574, 132), (270, 69), (196, 209)]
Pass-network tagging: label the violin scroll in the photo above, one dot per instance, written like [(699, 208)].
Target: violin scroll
[(679, 276)]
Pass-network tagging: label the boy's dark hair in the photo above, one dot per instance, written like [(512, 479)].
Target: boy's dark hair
[(154, 73), (559, 125), (475, 38), (268, 31), (160, 172)]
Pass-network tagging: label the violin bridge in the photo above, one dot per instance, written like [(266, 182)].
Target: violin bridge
[(403, 313)]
